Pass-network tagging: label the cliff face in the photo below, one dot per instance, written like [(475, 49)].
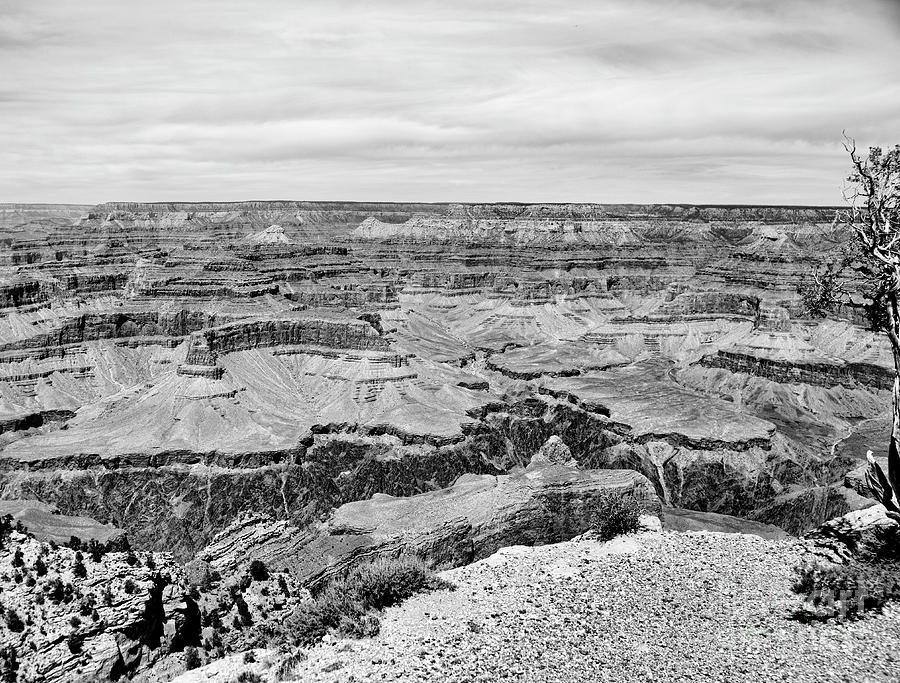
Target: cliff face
[(72, 617), (166, 367)]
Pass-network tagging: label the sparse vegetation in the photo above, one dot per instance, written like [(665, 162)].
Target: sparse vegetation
[(14, 622), (615, 515), (248, 677), (258, 570), (346, 604), (844, 591), (191, 658)]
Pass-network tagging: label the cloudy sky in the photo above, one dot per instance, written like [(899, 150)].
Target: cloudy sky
[(712, 101)]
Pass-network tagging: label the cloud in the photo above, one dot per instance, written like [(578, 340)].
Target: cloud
[(626, 100)]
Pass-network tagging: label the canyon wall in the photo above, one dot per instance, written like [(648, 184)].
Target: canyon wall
[(168, 367)]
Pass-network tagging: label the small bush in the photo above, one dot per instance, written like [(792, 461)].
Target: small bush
[(384, 582), (40, 567), (616, 515), (17, 560), (78, 570), (287, 667), (346, 603), (14, 622), (249, 657), (132, 559), (306, 624), (56, 590), (248, 677), (191, 658), (74, 641), (75, 622), (258, 570), (129, 586), (844, 591)]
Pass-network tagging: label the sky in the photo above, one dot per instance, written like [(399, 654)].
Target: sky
[(689, 101)]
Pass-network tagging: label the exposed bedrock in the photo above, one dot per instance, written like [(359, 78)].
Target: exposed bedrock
[(338, 334), (292, 357), (137, 615), (467, 521), (178, 500), (46, 524), (91, 327), (797, 371), (732, 477), (179, 506)]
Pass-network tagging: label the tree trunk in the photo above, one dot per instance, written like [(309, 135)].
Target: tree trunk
[(893, 473)]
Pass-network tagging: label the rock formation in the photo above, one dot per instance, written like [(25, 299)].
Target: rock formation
[(166, 368)]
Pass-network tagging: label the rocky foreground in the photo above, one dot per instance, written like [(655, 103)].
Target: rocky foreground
[(655, 606)]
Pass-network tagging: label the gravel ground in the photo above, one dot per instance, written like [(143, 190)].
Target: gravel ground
[(654, 606)]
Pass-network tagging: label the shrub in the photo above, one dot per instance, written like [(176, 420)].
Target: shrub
[(56, 590), (96, 550), (132, 559), (615, 515), (14, 622), (74, 642), (248, 677), (306, 624), (258, 570), (75, 622), (149, 562), (129, 586), (345, 604), (191, 658), (17, 560), (79, 570), (9, 665), (387, 581), (844, 590), (249, 657), (40, 567), (287, 667)]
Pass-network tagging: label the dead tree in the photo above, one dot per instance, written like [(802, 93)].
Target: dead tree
[(873, 259)]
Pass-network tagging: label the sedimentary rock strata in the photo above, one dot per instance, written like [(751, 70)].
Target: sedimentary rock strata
[(549, 501), (165, 368)]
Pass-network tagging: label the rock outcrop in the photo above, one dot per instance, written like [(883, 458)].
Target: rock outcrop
[(450, 527), (69, 617)]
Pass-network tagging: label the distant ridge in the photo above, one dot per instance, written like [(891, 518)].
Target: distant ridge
[(573, 211)]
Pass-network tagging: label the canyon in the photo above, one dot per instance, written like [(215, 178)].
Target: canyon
[(165, 368), (311, 385)]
